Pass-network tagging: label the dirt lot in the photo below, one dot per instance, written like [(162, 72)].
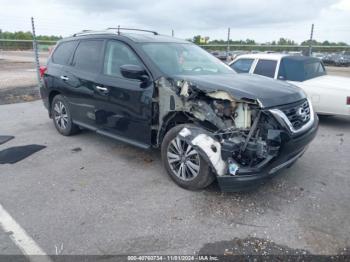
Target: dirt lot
[(18, 81), (17, 68)]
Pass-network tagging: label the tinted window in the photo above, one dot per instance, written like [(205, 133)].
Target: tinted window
[(63, 52), (87, 55), (118, 54), (242, 65), (265, 68), (300, 70)]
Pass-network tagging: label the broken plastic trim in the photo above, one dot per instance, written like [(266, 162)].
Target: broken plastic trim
[(207, 147)]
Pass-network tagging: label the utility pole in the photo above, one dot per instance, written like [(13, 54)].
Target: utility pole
[(36, 53), (172, 32), (228, 43), (310, 41)]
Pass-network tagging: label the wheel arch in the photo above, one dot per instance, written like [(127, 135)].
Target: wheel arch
[(175, 118), (172, 119)]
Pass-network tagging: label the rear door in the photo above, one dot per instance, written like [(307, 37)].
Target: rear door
[(127, 114), (79, 79), (61, 57)]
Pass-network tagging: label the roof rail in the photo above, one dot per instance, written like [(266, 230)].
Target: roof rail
[(131, 29), (91, 32), (82, 32)]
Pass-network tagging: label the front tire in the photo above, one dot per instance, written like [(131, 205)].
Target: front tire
[(183, 163), (62, 117)]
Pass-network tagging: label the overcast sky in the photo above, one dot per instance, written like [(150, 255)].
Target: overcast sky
[(255, 19)]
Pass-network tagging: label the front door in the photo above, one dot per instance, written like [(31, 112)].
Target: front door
[(127, 114)]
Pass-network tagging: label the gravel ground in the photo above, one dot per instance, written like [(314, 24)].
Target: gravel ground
[(20, 94), (88, 194), (16, 74), (17, 69)]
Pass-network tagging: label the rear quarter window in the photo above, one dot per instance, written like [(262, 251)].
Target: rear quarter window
[(265, 68), (63, 52), (87, 56)]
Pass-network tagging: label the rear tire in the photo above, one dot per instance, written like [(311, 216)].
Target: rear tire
[(195, 172), (62, 117)]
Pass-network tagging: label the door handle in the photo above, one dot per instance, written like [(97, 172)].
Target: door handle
[(102, 89), (65, 78)]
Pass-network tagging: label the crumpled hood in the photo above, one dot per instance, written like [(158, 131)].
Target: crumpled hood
[(268, 91)]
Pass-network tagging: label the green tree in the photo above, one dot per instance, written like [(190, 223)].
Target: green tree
[(21, 35), (197, 39), (250, 42), (285, 41), (307, 42)]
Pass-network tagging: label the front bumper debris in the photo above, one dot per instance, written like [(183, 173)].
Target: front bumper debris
[(246, 178)]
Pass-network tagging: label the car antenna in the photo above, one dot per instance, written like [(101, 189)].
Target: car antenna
[(118, 29)]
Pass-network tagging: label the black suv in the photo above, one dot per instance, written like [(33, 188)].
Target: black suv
[(150, 91)]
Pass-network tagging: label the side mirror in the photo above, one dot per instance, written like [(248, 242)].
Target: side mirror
[(134, 72)]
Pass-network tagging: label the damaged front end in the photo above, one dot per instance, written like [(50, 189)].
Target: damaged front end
[(236, 136)]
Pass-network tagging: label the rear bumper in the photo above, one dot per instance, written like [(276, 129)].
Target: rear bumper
[(248, 178)]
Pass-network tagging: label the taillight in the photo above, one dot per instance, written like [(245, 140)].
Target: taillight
[(348, 100), (42, 70)]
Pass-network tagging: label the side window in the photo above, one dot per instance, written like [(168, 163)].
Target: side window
[(63, 52), (242, 65), (87, 56), (116, 55), (265, 68)]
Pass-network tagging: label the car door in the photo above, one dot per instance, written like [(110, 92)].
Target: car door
[(266, 67), (127, 114), (60, 57), (242, 65), (79, 82)]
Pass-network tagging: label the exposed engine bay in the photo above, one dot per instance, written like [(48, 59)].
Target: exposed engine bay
[(231, 134)]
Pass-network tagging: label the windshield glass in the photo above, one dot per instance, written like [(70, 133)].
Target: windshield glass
[(183, 58), (300, 70)]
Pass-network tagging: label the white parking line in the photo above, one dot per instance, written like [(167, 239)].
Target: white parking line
[(19, 236)]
